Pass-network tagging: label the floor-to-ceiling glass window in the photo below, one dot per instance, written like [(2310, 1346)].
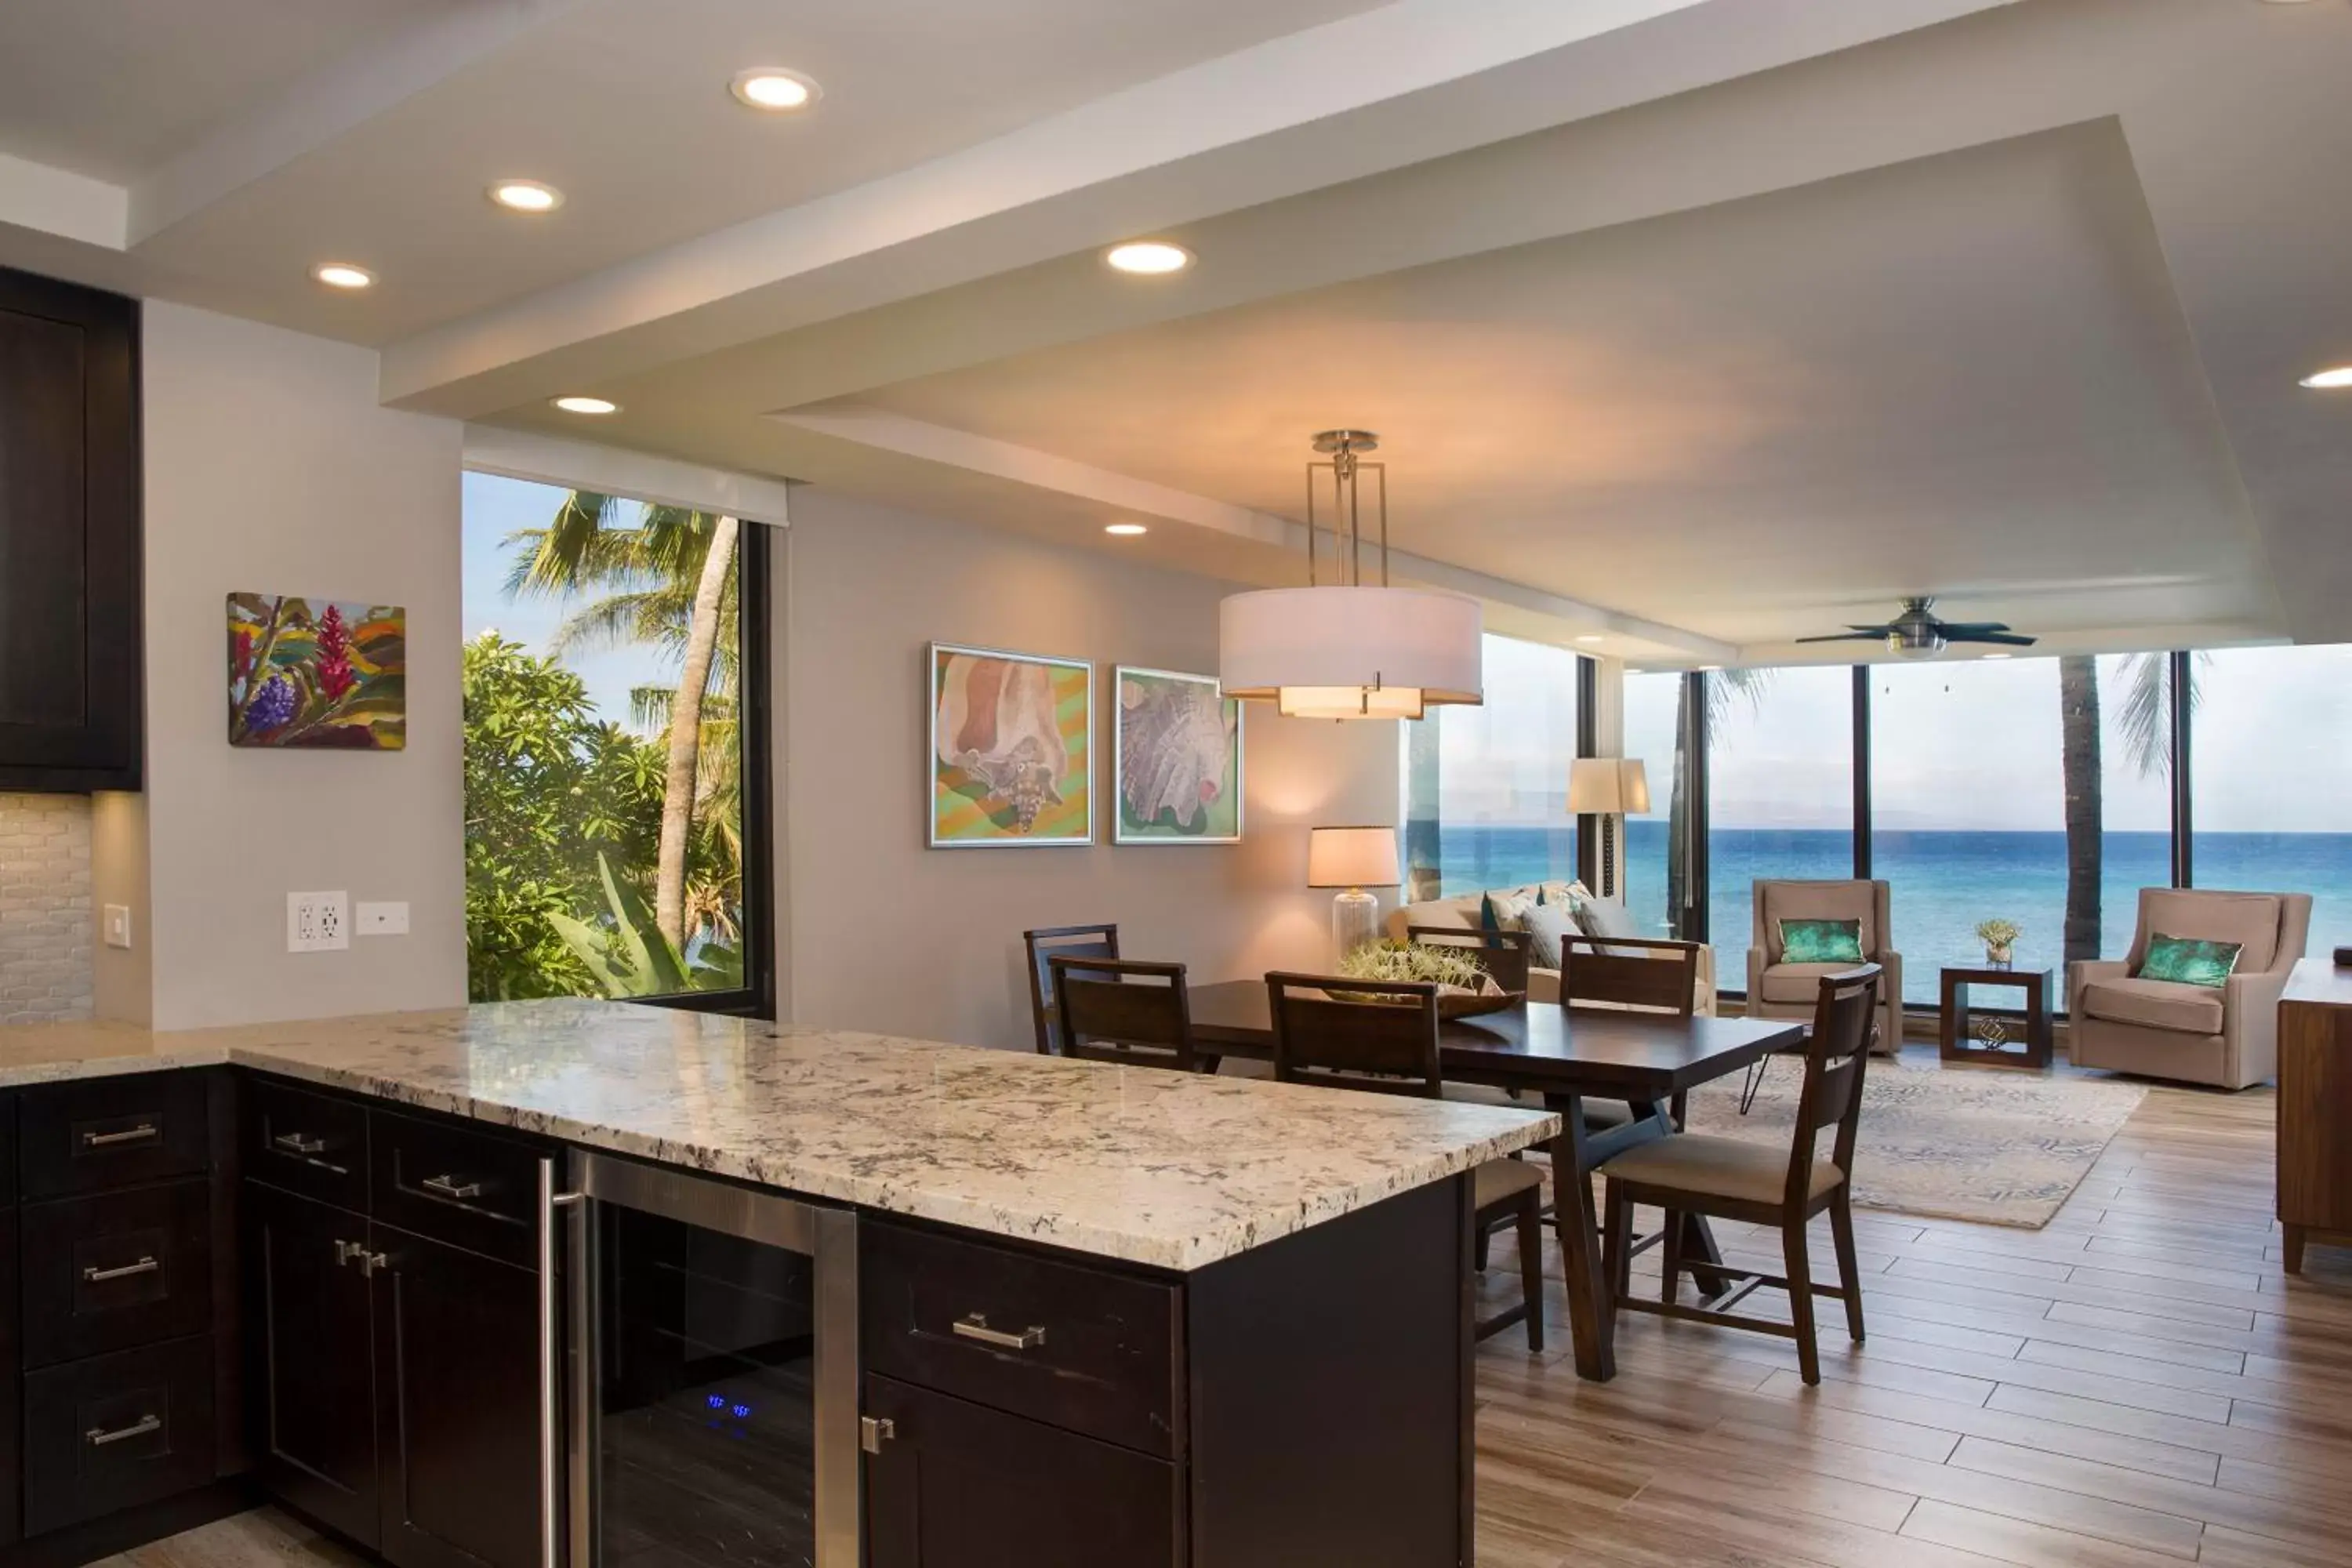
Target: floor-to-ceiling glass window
[(1487, 787), (2271, 774), (2031, 790), (1656, 842), (1779, 774)]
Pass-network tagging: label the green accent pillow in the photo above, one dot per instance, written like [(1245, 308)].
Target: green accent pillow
[(1820, 941), (2189, 961)]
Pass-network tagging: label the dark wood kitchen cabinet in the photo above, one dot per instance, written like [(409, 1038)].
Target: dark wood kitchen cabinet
[(69, 536), (310, 1361)]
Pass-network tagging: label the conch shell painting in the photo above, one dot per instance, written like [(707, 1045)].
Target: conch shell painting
[(1008, 748), (1178, 760)]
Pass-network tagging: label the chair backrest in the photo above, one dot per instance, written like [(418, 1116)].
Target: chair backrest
[(2271, 929), (1778, 899), (1501, 953), (1388, 1045), (1644, 974), (1108, 1010), (1845, 1019), (1078, 942)]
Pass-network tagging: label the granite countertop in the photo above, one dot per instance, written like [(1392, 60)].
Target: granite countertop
[(1138, 1163)]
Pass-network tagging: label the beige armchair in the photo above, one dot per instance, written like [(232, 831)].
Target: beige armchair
[(1777, 990), (2227, 1038)]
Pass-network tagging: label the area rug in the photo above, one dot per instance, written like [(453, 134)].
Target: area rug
[(1976, 1143)]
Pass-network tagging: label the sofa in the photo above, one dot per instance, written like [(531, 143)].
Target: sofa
[(1543, 985), (1779, 990), (2223, 1036)]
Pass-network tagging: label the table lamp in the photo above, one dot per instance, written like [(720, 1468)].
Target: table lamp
[(1351, 859), (1607, 788)]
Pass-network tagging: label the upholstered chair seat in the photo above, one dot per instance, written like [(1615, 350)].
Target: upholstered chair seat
[(1779, 989), (2224, 1036)]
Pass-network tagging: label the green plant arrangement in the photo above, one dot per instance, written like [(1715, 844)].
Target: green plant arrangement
[(629, 956), (2000, 938), (1390, 960)]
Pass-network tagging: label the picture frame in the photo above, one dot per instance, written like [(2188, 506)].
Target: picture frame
[(1176, 763), (1011, 748)]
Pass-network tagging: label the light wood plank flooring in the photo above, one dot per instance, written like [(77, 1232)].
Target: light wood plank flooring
[(2139, 1384)]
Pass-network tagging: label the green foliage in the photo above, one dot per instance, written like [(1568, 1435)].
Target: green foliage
[(1390, 959), (627, 955)]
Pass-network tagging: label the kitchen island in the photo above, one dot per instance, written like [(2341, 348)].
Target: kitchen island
[(1075, 1313)]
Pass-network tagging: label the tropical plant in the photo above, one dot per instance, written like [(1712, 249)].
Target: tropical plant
[(1725, 689), (667, 578), (628, 956), (2145, 724), (1997, 933), (1387, 958)]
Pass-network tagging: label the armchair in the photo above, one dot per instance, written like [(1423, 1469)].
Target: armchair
[(1777, 990), (2225, 1038)]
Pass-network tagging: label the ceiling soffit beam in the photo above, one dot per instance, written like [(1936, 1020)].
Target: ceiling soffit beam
[(1436, 77), (1026, 465), (57, 202)]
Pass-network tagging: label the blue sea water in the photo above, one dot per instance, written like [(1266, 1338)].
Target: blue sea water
[(1942, 884)]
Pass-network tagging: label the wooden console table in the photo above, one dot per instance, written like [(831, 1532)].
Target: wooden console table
[(2315, 1107), (2034, 982)]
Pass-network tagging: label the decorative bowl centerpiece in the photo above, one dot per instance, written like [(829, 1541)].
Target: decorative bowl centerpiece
[(1464, 989)]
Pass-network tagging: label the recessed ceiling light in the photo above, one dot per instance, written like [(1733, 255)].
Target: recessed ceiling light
[(1125, 530), (1589, 637), (526, 196), (587, 404), (1149, 256), (342, 275), (2330, 379), (1996, 656), (1709, 669), (773, 88)]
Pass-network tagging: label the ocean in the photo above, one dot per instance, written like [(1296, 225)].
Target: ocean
[(1942, 883)]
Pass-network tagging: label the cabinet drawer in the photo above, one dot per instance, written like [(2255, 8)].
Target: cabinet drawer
[(116, 1430), (119, 1270), (308, 1143), (111, 1132), (470, 1189), (1060, 1342)]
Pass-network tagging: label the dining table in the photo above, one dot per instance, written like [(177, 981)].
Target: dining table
[(1567, 1055)]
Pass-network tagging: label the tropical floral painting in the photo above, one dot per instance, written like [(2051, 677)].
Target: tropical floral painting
[(1178, 760), (1011, 753), (304, 672)]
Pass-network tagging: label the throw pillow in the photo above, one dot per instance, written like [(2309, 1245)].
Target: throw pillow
[(1605, 917), (2189, 961), (1547, 926), (1504, 911), (1820, 941)]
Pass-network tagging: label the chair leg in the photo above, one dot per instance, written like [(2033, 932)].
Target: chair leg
[(1480, 1247), (1670, 1257), (1801, 1296), (1849, 1274), (1617, 1242), (1531, 1263)]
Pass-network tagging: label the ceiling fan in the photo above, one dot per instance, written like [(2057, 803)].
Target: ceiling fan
[(1918, 633)]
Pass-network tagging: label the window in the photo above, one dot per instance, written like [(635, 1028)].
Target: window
[(1657, 843), (1487, 787), (615, 845), (1973, 765), (1779, 774), (2269, 761)]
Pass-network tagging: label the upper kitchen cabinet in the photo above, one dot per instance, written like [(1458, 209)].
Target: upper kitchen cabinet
[(69, 500)]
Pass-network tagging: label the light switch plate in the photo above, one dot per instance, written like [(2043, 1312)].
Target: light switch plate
[(118, 925), (318, 922), (382, 920)]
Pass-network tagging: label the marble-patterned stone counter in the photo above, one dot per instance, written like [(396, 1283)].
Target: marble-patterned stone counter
[(1138, 1163)]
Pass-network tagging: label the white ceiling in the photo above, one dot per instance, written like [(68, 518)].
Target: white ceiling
[(1698, 325)]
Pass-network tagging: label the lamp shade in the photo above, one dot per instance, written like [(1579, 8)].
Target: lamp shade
[(1352, 858), (1608, 785), (1351, 653)]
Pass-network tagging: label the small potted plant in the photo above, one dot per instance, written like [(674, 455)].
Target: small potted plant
[(2000, 938)]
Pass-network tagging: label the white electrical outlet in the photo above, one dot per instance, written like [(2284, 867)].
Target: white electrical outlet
[(318, 922), (118, 925), (381, 920)]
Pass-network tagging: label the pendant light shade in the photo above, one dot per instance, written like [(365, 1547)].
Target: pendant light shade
[(1349, 649)]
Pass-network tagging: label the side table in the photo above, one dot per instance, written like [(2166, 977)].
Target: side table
[(1959, 1046)]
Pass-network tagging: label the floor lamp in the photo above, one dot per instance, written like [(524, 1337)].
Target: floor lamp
[(1607, 788)]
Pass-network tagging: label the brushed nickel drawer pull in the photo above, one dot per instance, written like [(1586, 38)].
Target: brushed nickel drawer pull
[(98, 1437), (347, 1251), (372, 1262), (975, 1327), (124, 1271), (297, 1143), (452, 1187), (873, 1431), (138, 1134)]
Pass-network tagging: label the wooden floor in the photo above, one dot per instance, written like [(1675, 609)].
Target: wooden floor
[(2138, 1385)]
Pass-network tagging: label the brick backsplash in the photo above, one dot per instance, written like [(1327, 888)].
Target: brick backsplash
[(45, 913)]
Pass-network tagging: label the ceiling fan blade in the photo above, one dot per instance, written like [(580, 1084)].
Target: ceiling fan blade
[(1856, 636), (1973, 628), (2006, 639)]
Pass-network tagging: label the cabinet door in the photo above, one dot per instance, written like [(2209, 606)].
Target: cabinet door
[(457, 1368), (312, 1403), (70, 594), (957, 1485)]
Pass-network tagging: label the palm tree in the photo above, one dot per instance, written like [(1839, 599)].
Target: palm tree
[(1723, 688), (669, 581), (2145, 724)]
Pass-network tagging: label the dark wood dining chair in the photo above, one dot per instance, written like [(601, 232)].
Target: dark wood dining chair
[(1726, 1178), (1502, 954), (1126, 1011), (1644, 974), (1390, 1047), (1078, 942)]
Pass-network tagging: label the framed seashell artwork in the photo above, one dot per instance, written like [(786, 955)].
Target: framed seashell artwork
[(1011, 749), (1177, 758)]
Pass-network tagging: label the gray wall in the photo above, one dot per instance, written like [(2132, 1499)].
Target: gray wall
[(886, 934)]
